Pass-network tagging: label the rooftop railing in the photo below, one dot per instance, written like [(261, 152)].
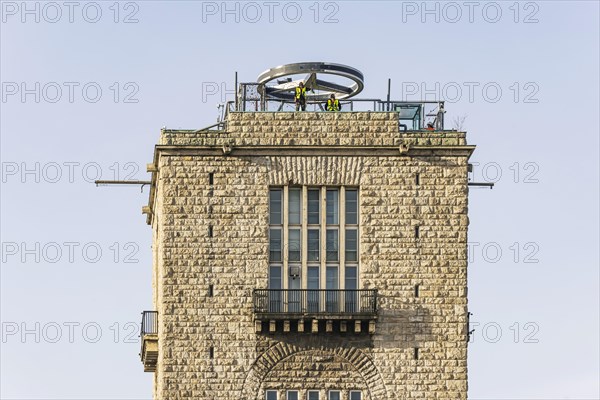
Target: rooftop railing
[(412, 115)]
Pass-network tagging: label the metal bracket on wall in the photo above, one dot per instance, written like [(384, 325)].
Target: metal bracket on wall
[(107, 183), (482, 184)]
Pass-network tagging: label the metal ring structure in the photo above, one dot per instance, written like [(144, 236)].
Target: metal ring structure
[(278, 89)]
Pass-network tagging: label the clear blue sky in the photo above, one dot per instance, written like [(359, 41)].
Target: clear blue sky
[(536, 302)]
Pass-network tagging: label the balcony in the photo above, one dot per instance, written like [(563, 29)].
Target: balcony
[(344, 310), (149, 335)]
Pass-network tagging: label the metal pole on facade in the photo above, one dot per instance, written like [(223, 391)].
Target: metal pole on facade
[(235, 91), (389, 92)]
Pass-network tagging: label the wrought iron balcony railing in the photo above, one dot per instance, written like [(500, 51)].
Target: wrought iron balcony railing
[(149, 334), (295, 303), (149, 323)]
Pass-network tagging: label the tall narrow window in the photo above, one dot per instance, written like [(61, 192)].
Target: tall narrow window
[(294, 278), (275, 283), (332, 277), (312, 295), (275, 244), (295, 206), (313, 278), (294, 245), (351, 206), (332, 207), (313, 245), (275, 277), (292, 395), (351, 245), (313, 206), (294, 297), (351, 281), (308, 238), (276, 222), (332, 296), (275, 207), (332, 245), (351, 299), (351, 285)]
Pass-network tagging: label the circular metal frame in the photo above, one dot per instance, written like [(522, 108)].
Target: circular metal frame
[(285, 90)]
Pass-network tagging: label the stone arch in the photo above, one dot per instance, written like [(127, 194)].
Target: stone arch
[(279, 352)]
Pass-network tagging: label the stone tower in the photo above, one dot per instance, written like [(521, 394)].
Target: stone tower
[(309, 255)]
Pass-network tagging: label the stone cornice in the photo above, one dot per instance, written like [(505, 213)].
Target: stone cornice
[(308, 150)]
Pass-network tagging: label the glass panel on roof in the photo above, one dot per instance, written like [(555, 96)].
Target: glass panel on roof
[(407, 112)]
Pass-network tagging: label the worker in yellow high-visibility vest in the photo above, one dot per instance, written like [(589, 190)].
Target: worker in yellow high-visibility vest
[(300, 97), (333, 104)]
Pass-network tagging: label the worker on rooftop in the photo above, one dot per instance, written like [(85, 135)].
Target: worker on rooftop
[(300, 97), (333, 104)]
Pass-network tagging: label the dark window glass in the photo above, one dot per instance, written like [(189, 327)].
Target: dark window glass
[(332, 204), (275, 277), (351, 281), (351, 245), (294, 245), (271, 395), (332, 299), (312, 294), (295, 206), (313, 278), (313, 206), (275, 244), (351, 284), (313, 245), (351, 206), (332, 277), (275, 206), (294, 279), (332, 244), (275, 282)]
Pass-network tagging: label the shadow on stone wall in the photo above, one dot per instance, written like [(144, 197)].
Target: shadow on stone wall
[(402, 328)]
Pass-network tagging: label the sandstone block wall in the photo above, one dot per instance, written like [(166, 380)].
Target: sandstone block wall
[(235, 260)]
